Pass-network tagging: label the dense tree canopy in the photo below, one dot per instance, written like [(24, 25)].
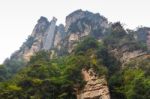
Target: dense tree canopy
[(46, 78)]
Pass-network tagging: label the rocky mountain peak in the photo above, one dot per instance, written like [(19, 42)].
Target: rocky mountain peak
[(47, 35), (111, 49), (42, 38), (41, 26), (80, 24), (142, 33), (43, 19), (80, 14)]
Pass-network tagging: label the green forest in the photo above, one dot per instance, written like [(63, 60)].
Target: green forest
[(46, 78)]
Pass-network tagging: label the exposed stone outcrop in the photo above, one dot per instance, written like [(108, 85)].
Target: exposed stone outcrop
[(41, 38), (50, 35), (95, 88), (46, 35), (73, 17), (59, 35), (79, 14), (80, 24), (142, 33), (63, 39), (40, 27), (148, 41), (124, 55), (127, 56)]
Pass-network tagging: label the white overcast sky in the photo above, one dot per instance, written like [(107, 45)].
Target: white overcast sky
[(18, 17)]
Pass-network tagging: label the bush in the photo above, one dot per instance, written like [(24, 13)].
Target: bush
[(86, 44)]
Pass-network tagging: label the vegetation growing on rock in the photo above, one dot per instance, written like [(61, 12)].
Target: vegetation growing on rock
[(59, 77)]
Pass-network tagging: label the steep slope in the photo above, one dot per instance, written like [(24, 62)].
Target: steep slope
[(79, 24), (88, 58), (46, 35), (70, 77), (41, 38), (95, 88)]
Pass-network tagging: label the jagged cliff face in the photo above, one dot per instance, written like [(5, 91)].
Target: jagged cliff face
[(46, 35), (95, 88), (143, 35), (63, 39), (148, 40), (37, 39), (59, 35), (80, 24), (42, 38)]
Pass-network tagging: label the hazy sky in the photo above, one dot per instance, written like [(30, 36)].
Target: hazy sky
[(18, 17)]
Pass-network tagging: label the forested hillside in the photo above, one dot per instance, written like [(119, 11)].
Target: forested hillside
[(89, 58)]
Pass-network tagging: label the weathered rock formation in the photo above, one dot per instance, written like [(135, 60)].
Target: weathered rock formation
[(62, 39), (59, 35), (42, 38), (50, 35), (81, 24), (142, 33), (124, 55), (148, 40), (95, 88), (34, 42)]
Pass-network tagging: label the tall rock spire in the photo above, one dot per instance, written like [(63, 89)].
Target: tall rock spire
[(50, 35), (42, 38)]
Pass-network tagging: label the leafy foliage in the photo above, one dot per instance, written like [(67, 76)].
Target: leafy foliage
[(118, 37), (39, 57), (10, 68), (87, 43), (133, 82), (29, 41), (45, 78)]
